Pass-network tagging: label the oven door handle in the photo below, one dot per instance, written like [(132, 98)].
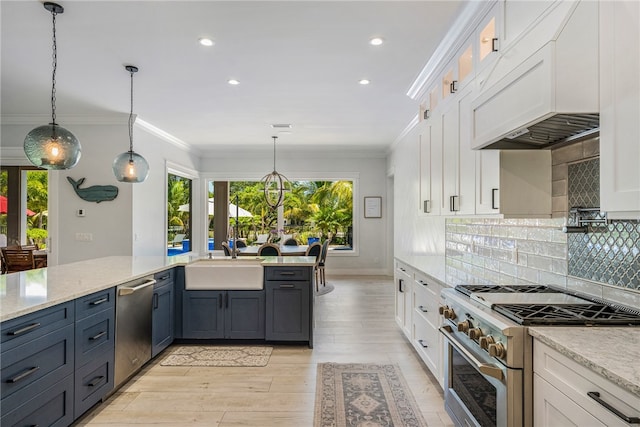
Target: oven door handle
[(485, 368)]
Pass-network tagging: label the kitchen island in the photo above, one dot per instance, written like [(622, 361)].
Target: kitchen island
[(60, 328)]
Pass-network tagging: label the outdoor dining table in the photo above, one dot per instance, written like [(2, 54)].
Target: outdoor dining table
[(285, 250)]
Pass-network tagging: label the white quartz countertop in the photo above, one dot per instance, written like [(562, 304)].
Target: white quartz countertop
[(613, 352), (29, 291), (433, 266)]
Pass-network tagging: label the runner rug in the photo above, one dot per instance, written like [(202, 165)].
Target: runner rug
[(196, 355), (354, 394)]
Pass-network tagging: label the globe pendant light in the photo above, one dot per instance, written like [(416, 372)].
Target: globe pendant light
[(275, 184), (52, 146), (130, 166)]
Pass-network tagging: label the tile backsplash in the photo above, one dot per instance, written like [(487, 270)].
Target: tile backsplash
[(524, 251)]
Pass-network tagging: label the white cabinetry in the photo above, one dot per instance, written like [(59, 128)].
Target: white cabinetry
[(620, 108), (403, 278), (567, 393), (515, 183), (458, 159), (425, 323), (430, 167)]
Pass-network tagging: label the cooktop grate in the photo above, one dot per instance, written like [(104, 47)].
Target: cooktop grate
[(470, 289), (569, 314)]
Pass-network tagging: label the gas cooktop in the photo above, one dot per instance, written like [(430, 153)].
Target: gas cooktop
[(544, 305)]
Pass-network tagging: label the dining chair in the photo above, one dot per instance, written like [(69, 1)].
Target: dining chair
[(322, 261), (291, 242), (226, 248), (17, 259), (269, 249), (314, 250)]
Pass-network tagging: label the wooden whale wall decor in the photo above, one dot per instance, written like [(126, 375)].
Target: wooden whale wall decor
[(95, 193)]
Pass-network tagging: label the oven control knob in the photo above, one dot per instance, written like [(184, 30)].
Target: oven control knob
[(486, 341), (475, 333), (464, 326), (497, 350), (448, 313)]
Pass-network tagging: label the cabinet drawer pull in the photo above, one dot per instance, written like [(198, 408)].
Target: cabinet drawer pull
[(97, 380), (454, 203), (287, 286), (423, 309), (287, 273), (100, 301), (423, 283), (156, 299), (630, 420), (95, 337), (494, 44), (494, 191), (23, 375), (423, 344), (25, 329), (400, 285), (164, 277), (226, 300)]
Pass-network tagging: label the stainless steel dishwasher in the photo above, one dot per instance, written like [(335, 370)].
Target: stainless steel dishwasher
[(133, 327)]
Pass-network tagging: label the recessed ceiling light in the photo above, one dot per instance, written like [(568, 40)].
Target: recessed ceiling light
[(376, 41), (205, 41), (364, 82), (281, 126), (233, 82)]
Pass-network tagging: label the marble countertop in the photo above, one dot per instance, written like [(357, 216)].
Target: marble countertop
[(612, 352), (28, 291)]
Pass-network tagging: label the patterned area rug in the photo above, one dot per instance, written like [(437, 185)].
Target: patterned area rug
[(195, 355), (364, 395)]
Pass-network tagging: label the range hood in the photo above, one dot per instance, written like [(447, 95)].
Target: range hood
[(555, 131), (550, 97)]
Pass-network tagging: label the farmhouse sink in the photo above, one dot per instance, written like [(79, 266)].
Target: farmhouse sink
[(224, 274)]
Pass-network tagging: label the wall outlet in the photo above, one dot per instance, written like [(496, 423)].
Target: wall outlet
[(84, 237), (80, 212)]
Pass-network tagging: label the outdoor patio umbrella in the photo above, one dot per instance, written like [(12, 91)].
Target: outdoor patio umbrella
[(3, 207), (232, 210)]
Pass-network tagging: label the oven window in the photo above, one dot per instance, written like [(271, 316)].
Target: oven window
[(477, 394)]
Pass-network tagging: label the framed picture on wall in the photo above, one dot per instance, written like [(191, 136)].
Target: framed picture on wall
[(373, 207)]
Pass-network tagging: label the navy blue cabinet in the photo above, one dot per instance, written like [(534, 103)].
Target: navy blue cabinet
[(223, 314), (37, 365), (94, 349), (163, 311), (289, 304)]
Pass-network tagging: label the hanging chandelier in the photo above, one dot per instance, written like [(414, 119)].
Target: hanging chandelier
[(275, 184), (52, 146), (130, 166)]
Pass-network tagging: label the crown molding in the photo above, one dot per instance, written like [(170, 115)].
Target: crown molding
[(166, 136), (413, 123), (14, 156)]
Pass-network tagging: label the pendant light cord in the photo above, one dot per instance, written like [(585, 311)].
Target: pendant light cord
[(274, 153), (131, 119), (53, 76)]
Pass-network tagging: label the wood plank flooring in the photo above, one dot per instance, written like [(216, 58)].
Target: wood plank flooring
[(354, 323)]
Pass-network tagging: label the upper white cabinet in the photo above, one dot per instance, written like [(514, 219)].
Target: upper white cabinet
[(430, 167), (458, 170), (514, 183), (620, 108)]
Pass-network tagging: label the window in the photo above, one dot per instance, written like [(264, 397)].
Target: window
[(178, 214), (311, 210)]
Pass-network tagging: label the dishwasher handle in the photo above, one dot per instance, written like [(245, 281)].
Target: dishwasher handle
[(128, 291)]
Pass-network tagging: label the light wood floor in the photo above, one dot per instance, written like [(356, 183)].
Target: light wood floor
[(354, 323)]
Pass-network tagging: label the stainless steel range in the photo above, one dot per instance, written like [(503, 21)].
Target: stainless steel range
[(488, 352)]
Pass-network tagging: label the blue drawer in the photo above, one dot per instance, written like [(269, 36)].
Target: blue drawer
[(95, 336), (287, 273), (164, 277), (23, 329), (37, 365), (52, 407), (92, 382), (96, 302)]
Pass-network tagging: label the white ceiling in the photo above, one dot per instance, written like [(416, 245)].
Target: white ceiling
[(298, 62)]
